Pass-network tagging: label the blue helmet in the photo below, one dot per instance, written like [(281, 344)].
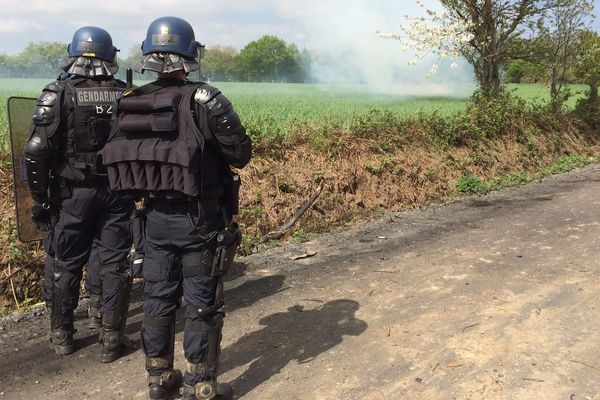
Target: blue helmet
[(91, 41), (171, 35)]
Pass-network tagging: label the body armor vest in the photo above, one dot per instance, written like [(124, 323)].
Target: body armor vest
[(89, 122), (156, 146)]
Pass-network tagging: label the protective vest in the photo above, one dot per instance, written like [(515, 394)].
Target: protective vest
[(156, 146), (89, 122)]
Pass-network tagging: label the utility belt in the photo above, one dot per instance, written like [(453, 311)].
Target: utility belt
[(91, 180), (184, 204)]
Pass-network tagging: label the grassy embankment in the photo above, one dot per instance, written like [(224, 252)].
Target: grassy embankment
[(370, 153)]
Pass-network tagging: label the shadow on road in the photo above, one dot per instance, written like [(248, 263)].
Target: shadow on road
[(297, 334)]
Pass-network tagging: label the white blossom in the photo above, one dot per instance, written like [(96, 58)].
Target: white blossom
[(437, 34)]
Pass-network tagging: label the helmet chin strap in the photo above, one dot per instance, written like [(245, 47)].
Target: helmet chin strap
[(90, 67), (166, 63)]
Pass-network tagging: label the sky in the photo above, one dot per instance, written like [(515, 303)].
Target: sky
[(344, 29), (234, 22)]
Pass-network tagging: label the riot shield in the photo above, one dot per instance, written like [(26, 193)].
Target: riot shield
[(20, 110)]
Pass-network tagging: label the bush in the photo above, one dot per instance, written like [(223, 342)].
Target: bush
[(469, 184), (588, 109)]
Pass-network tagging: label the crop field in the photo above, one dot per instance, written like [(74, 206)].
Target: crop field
[(275, 111)]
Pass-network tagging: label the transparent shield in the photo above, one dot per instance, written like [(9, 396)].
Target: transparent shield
[(20, 110)]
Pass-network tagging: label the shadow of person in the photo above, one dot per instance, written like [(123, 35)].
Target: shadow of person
[(252, 291), (296, 334)]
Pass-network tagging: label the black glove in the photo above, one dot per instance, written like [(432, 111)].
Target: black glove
[(43, 215)]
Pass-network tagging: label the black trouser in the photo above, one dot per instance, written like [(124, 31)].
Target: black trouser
[(93, 284), (88, 217), (170, 247)]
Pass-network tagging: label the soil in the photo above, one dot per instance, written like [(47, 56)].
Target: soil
[(492, 297)]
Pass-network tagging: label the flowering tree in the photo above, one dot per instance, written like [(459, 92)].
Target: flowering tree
[(478, 30)]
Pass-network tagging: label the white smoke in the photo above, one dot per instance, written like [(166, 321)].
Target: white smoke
[(342, 35)]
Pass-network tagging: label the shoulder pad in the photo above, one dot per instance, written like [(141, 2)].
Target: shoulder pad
[(56, 86), (204, 93), (43, 115), (47, 107), (218, 105), (47, 98)]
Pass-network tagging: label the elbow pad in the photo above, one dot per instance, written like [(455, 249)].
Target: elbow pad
[(36, 164)]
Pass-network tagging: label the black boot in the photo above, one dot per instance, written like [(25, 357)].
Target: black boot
[(207, 390), (161, 386), (94, 311), (114, 344), (61, 340)]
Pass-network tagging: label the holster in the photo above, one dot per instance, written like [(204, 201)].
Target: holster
[(228, 242)]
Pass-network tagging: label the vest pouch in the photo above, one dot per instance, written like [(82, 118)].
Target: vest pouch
[(149, 103), (164, 122), (163, 148), (136, 104), (114, 180), (166, 177), (139, 174), (134, 123), (178, 183), (160, 123), (125, 173), (146, 149), (152, 175), (190, 181)]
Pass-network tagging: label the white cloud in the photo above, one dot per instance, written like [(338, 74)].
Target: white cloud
[(15, 25)]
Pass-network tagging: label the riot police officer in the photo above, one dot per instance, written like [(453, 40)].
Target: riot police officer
[(174, 142), (69, 188)]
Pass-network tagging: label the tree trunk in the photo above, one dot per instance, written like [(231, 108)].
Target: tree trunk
[(487, 71)]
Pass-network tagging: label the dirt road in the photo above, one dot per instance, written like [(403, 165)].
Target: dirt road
[(493, 297)]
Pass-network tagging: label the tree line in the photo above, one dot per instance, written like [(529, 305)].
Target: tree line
[(268, 59)]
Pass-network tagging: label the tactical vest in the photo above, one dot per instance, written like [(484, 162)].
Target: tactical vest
[(156, 146), (89, 121)]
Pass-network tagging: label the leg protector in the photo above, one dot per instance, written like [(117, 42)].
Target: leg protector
[(157, 365), (113, 339), (202, 377), (95, 311), (61, 320), (162, 378), (116, 286), (57, 297)]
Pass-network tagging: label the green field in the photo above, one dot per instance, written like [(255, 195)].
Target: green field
[(271, 110)]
